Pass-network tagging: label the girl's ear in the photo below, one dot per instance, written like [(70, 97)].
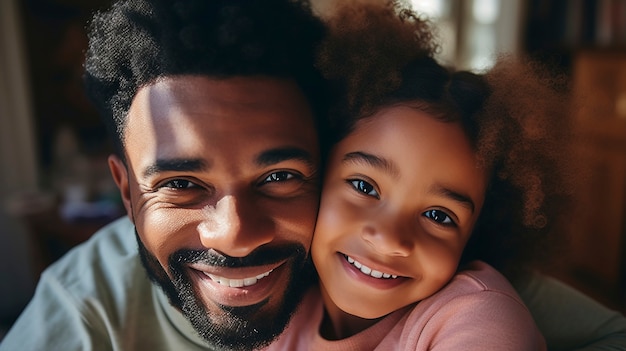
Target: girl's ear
[(120, 176)]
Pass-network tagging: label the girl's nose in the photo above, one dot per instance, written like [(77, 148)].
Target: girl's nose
[(390, 237)]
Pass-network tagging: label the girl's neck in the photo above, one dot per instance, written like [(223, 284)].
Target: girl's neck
[(337, 324)]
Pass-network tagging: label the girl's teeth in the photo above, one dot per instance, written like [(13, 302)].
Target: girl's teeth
[(368, 271), (238, 283)]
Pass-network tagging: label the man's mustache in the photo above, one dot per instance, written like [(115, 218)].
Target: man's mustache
[(259, 257)]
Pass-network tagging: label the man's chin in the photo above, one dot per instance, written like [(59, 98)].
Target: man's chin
[(228, 327), (247, 327), (236, 328)]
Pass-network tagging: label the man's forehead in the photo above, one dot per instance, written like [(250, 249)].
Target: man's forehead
[(209, 123), (248, 99), (242, 90)]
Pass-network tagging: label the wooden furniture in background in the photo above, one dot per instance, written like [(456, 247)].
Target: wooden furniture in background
[(597, 252)]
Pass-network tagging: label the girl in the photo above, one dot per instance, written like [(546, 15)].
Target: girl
[(437, 177)]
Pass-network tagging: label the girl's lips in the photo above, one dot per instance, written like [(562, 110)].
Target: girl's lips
[(371, 277), (368, 271)]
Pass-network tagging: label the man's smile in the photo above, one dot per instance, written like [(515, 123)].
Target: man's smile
[(238, 283), (237, 287)]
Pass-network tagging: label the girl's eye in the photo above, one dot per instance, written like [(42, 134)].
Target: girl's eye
[(179, 184), (439, 216), (279, 177), (364, 187)]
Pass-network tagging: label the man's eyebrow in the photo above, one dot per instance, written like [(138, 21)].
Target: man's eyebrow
[(175, 165), (462, 199), (274, 156), (371, 160)]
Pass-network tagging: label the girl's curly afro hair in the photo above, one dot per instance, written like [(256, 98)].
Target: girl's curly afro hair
[(517, 117)]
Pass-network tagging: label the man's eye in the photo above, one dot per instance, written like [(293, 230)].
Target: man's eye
[(364, 187), (279, 177), (179, 184), (439, 216)]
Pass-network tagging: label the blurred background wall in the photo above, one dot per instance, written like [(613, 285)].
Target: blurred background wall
[(56, 188), (18, 162)]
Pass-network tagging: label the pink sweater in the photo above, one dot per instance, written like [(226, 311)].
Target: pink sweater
[(478, 310)]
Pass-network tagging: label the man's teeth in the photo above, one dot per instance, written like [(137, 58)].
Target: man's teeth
[(238, 283), (368, 271)]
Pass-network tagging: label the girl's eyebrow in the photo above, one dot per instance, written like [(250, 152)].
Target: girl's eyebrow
[(387, 166), (462, 199), (372, 161)]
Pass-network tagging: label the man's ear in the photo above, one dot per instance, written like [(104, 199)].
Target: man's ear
[(120, 176)]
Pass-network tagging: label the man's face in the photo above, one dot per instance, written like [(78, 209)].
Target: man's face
[(222, 185)]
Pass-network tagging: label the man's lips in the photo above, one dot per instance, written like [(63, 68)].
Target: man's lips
[(238, 283), (237, 286)]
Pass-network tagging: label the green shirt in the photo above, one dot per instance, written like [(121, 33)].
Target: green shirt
[(98, 297)]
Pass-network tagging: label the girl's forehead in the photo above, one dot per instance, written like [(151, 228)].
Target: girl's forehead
[(405, 131), (418, 115)]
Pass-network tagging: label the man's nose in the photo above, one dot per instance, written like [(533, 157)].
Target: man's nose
[(390, 236), (234, 227)]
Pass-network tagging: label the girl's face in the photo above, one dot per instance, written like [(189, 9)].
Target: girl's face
[(400, 199)]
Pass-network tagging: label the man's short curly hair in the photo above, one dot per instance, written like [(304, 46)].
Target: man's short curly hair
[(517, 121), (137, 42)]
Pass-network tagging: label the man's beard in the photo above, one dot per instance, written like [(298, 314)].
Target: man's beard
[(233, 328)]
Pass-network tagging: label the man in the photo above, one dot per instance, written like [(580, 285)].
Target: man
[(214, 108)]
